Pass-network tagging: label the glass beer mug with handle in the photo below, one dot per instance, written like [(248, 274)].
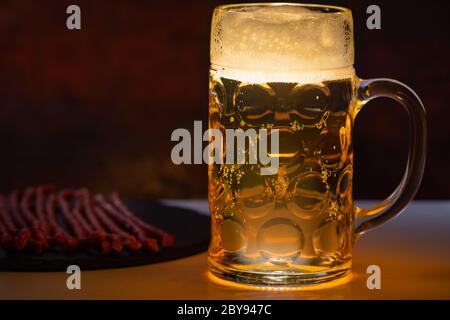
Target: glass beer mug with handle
[(290, 67)]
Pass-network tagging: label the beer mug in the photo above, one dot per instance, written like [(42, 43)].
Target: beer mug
[(290, 67)]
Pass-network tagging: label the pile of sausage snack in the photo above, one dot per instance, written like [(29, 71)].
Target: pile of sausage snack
[(40, 219)]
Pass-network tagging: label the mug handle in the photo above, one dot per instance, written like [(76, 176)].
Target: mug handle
[(406, 190)]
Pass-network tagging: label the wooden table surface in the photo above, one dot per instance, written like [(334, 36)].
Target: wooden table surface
[(413, 252)]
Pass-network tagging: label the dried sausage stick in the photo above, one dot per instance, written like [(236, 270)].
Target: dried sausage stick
[(38, 242), (5, 236), (105, 245), (90, 215), (26, 212), (40, 208), (20, 237), (87, 229), (24, 236), (17, 217), (116, 233), (107, 241), (5, 217), (149, 243), (60, 236), (98, 232), (166, 239), (116, 242), (30, 218), (130, 240), (65, 211)]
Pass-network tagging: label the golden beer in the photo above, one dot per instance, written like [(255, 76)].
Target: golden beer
[(285, 67)]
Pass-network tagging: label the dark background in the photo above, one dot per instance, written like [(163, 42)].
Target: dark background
[(96, 107)]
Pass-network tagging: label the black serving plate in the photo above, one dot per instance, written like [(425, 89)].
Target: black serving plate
[(190, 229)]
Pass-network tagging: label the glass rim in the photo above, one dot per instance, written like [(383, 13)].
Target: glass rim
[(324, 7)]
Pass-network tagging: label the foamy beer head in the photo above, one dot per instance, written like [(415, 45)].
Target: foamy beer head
[(282, 43)]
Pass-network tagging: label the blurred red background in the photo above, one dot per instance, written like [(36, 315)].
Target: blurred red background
[(96, 107)]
